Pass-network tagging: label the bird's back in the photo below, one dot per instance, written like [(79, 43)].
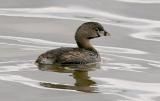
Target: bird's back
[(68, 55)]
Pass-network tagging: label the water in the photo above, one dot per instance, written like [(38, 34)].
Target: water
[(130, 67)]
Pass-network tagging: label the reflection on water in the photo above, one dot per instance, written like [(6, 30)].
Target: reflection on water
[(113, 58), (79, 73), (140, 1), (75, 12), (148, 35), (39, 44), (129, 70)]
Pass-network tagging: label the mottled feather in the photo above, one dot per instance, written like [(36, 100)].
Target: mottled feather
[(69, 55)]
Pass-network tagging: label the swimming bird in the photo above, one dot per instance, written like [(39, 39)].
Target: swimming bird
[(83, 54)]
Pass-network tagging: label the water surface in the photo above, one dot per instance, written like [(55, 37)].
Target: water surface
[(130, 67)]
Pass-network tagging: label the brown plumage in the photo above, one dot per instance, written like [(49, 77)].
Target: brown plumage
[(85, 53)]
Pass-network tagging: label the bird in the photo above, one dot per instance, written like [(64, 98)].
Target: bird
[(84, 53)]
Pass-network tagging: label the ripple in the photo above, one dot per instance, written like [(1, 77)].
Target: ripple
[(135, 91), (105, 51), (149, 35), (133, 58), (31, 40), (126, 63), (39, 44), (17, 61), (119, 50), (141, 1), (155, 65), (27, 81), (124, 66), (17, 67), (131, 90), (75, 13), (21, 80)]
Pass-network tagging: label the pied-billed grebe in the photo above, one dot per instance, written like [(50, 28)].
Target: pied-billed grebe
[(85, 53)]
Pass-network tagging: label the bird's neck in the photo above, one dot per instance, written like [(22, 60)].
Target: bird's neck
[(85, 44)]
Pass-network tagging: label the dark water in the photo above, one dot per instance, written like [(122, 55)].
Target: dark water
[(130, 67)]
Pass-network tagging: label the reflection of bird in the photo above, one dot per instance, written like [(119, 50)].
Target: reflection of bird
[(83, 83), (82, 80), (85, 53)]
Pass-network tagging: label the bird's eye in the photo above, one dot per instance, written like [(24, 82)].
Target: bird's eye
[(97, 29)]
